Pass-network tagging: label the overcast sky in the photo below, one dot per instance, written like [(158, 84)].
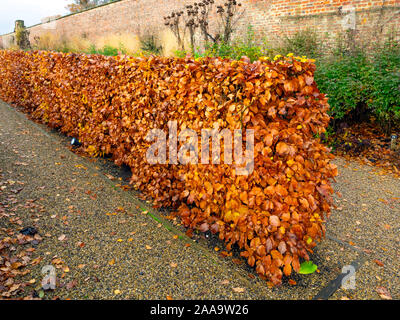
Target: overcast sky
[(31, 11)]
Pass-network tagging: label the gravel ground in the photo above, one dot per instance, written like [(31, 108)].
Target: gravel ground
[(111, 249), (368, 218)]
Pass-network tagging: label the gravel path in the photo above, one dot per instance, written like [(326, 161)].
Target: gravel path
[(108, 244), (368, 218)]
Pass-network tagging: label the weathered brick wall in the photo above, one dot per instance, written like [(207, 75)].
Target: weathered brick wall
[(270, 18)]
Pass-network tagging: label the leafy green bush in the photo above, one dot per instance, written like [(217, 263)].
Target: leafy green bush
[(303, 43), (150, 45), (343, 80), (363, 84), (105, 51), (238, 48), (385, 85), (181, 54)]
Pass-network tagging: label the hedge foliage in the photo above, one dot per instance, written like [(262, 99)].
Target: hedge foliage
[(275, 215)]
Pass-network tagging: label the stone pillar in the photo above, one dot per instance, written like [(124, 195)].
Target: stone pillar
[(21, 35), (19, 24)]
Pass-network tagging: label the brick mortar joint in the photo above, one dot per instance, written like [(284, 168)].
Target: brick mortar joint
[(336, 13)]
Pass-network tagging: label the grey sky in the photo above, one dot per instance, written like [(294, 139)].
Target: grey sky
[(31, 11)]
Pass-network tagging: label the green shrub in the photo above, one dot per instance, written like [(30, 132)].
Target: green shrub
[(107, 50), (302, 43), (343, 80), (238, 48), (181, 54), (363, 84), (385, 85), (150, 45)]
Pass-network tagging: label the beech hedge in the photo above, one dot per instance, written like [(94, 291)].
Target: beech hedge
[(275, 215)]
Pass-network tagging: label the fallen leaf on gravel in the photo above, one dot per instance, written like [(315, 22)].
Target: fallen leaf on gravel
[(379, 263), (239, 290), (173, 265), (117, 291), (384, 293), (57, 261), (36, 261), (62, 237), (80, 244), (20, 163), (307, 267), (111, 262), (71, 284), (148, 247), (237, 261), (81, 266), (225, 282), (292, 282), (169, 298), (16, 265), (9, 282), (251, 276)]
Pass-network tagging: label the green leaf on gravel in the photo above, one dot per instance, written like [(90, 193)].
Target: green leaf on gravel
[(307, 267), (41, 294)]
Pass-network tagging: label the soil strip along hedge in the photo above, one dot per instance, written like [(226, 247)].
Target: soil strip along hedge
[(276, 214)]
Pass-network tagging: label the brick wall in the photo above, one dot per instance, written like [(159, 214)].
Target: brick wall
[(270, 18)]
